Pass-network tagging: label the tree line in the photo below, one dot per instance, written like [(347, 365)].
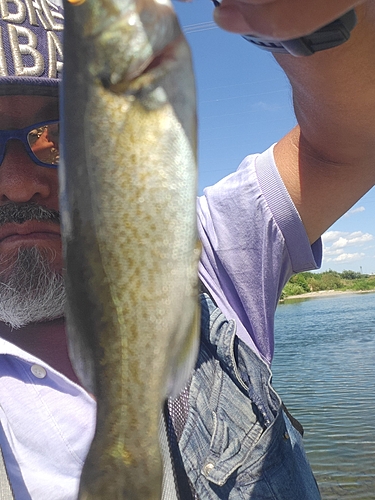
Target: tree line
[(328, 280)]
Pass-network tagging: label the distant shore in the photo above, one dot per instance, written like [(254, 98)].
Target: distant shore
[(324, 293)]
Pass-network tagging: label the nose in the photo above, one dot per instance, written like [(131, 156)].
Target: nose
[(21, 180)]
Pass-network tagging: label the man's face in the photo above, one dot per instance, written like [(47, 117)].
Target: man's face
[(31, 283), (23, 182)]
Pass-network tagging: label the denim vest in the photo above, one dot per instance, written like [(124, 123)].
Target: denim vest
[(234, 440)]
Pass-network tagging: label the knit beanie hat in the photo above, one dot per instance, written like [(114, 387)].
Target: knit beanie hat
[(30, 47)]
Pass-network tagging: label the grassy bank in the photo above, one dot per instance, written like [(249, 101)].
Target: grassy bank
[(329, 280)]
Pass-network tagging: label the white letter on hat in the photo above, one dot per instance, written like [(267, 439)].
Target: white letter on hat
[(31, 12), (21, 48), (54, 45), (3, 62), (50, 15), (16, 17)]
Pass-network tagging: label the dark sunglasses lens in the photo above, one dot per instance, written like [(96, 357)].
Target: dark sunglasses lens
[(44, 143)]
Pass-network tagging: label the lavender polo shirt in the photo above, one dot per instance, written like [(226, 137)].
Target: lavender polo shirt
[(253, 240)]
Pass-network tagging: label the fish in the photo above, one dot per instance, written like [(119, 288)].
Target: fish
[(128, 183)]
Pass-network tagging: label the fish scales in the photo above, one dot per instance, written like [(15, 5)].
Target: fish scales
[(128, 195)]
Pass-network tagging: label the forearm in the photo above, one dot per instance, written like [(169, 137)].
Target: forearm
[(329, 162), (334, 95)]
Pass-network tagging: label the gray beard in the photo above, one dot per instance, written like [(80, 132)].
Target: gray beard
[(30, 290)]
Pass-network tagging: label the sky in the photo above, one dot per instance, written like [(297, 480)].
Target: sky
[(244, 106)]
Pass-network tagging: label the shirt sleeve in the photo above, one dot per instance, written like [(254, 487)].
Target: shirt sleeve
[(253, 240)]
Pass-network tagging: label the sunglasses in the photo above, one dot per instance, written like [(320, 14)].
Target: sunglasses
[(41, 141)]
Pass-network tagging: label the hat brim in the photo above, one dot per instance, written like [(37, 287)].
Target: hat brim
[(29, 86)]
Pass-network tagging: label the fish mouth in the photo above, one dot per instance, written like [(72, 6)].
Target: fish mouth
[(29, 231)]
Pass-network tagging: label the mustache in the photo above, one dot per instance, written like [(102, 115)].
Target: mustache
[(19, 213)]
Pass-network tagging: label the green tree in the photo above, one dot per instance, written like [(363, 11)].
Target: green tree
[(315, 284), (300, 281), (350, 275), (331, 281), (328, 280)]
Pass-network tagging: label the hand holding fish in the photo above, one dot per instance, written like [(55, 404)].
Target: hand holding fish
[(279, 19)]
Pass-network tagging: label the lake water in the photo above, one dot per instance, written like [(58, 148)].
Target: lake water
[(324, 370)]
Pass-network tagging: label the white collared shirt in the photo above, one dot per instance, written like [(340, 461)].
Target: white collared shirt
[(47, 424)]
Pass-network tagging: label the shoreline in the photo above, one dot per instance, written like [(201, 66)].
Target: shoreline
[(324, 293)]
